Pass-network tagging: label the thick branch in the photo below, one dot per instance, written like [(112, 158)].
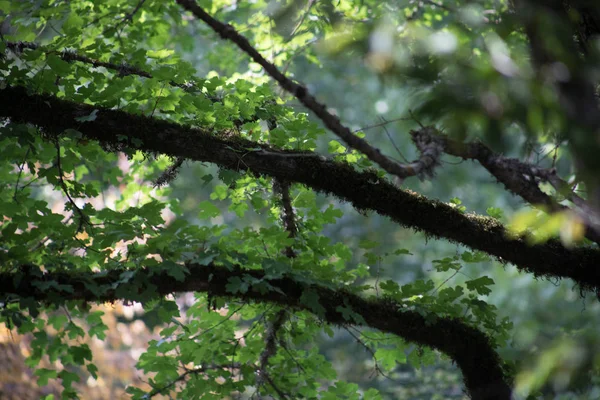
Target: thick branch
[(468, 347), (365, 190), (515, 175)]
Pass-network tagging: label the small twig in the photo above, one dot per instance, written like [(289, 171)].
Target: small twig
[(297, 52), (221, 322), (446, 280), (274, 386), (414, 118), (126, 19), (392, 141), (129, 17), (289, 353), (386, 122), (254, 325), (370, 350)]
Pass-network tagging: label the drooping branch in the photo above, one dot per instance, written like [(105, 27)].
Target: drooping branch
[(364, 190), (273, 327), (468, 347)]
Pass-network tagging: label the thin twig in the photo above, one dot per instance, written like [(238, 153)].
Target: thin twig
[(393, 142), (370, 350), (386, 122)]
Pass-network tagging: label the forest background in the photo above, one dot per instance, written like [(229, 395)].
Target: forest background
[(299, 199)]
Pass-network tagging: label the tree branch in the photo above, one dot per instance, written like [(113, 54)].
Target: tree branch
[(514, 174), (468, 347), (365, 190), (518, 177), (429, 155), (288, 218), (331, 121)]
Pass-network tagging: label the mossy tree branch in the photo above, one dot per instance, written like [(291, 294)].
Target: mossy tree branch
[(472, 350), (518, 177), (364, 190)]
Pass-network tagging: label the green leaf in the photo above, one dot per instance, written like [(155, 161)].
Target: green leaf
[(68, 378), (236, 285), (446, 264), (350, 315), (495, 212), (474, 257), (44, 375), (389, 358), (61, 67), (159, 54), (402, 252), (208, 210), (311, 299), (480, 285), (335, 147), (73, 22), (93, 370), (81, 353), (177, 271)]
